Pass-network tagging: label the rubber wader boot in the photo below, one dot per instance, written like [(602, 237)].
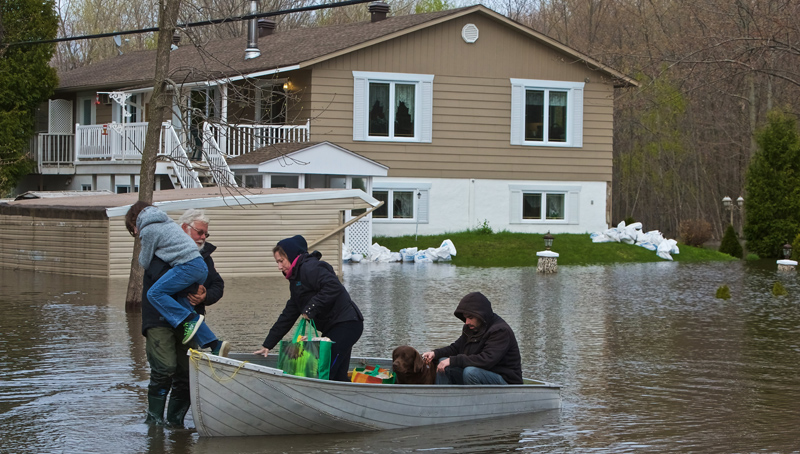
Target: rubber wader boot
[(176, 411), (155, 409)]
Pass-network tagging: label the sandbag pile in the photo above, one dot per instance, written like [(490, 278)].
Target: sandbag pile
[(378, 253), (633, 234)]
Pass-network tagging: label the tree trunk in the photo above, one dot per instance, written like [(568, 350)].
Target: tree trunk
[(161, 102)]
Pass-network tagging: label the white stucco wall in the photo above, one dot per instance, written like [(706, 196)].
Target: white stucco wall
[(458, 204)]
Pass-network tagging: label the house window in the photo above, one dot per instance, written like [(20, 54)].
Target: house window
[(546, 113), (403, 202), (557, 204), (392, 107), (541, 205), (86, 187), (123, 189), (285, 181), (396, 205)]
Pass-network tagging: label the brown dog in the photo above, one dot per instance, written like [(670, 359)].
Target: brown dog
[(410, 368)]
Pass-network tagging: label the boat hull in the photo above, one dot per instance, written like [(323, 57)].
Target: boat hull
[(241, 398)]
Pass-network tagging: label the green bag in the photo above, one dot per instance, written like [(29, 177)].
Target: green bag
[(305, 358)]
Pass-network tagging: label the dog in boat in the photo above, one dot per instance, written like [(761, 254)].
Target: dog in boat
[(410, 369)]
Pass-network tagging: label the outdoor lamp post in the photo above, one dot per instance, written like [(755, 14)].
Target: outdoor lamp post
[(727, 202), (548, 241), (548, 260), (787, 264)]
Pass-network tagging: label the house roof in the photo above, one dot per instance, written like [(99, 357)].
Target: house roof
[(111, 205), (321, 158), (264, 154), (292, 49)]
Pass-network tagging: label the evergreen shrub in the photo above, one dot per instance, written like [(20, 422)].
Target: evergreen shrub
[(772, 205), (730, 243)]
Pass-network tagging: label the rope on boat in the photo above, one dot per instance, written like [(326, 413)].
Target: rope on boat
[(197, 356)]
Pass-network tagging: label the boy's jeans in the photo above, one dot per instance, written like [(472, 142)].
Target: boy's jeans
[(176, 311)]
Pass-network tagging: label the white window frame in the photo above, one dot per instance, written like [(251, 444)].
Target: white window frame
[(423, 109), (574, 111), (571, 203), (244, 176), (421, 201)]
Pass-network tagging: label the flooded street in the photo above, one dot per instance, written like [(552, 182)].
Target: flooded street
[(649, 359)]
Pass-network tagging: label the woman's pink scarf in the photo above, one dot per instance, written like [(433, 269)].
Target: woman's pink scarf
[(291, 268)]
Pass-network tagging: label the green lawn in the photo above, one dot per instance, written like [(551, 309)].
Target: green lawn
[(519, 249)]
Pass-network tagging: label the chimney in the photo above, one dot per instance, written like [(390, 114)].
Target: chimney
[(265, 27), (252, 34), (378, 11)]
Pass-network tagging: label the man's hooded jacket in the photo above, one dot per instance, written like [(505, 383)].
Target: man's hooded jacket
[(492, 346)]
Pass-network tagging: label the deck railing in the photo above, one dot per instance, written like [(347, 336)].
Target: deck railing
[(114, 142), (55, 149), (172, 146), (110, 141), (236, 140), (220, 171)]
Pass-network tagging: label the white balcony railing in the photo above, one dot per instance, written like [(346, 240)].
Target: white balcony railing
[(236, 140), (106, 142), (55, 149)]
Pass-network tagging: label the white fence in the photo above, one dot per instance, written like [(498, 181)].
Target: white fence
[(55, 149), (236, 140), (110, 141)]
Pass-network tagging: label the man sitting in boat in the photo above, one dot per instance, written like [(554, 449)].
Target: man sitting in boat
[(486, 353)]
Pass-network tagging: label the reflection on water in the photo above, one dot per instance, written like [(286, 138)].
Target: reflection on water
[(649, 360)]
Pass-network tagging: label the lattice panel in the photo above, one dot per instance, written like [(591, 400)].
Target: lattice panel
[(60, 116), (359, 236)]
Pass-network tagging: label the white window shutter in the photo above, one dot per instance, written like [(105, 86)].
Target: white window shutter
[(577, 118), (517, 114), (515, 207), (426, 112), (573, 207), (359, 108), (422, 208)]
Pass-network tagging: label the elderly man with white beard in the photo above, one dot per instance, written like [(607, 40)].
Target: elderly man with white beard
[(166, 353)]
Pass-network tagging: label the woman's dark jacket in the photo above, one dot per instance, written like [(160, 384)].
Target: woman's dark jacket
[(315, 291), (491, 347), (214, 285)]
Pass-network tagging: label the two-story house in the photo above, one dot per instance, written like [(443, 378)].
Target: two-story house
[(453, 118)]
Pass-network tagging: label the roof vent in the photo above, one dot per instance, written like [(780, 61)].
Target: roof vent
[(252, 50), (266, 27), (378, 11), (469, 33)]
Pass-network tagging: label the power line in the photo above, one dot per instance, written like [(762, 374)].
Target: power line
[(192, 24)]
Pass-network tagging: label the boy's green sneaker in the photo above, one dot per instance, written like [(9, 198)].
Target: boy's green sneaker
[(191, 327), (223, 348)]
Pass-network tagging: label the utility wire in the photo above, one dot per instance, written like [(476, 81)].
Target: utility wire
[(192, 24)]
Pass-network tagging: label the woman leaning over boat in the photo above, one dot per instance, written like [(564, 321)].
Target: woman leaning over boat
[(315, 294)]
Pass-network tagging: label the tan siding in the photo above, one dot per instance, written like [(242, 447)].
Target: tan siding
[(299, 104), (245, 235), (65, 246), (103, 113), (471, 105)]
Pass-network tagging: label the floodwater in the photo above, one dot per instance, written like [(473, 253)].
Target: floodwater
[(649, 359)]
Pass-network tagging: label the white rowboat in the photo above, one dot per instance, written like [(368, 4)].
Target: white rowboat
[(246, 395)]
